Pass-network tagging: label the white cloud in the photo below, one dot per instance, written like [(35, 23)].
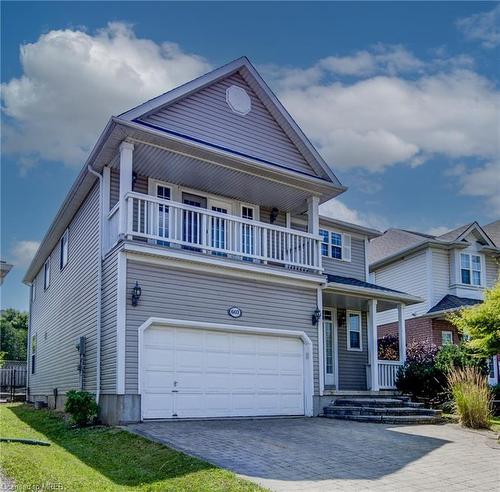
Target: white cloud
[(483, 181), (380, 121), (336, 209), (483, 27), (22, 252), (74, 81)]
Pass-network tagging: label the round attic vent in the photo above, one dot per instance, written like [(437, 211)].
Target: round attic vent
[(238, 100)]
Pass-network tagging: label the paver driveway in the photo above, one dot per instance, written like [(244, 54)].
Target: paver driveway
[(322, 454)]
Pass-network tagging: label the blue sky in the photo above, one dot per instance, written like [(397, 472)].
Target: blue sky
[(401, 98)]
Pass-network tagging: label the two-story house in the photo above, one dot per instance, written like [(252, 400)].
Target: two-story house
[(188, 272), (449, 272)]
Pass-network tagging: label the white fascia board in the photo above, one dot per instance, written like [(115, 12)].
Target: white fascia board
[(369, 293), (415, 248), (479, 229)]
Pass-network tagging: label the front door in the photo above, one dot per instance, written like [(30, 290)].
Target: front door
[(329, 346), (192, 220)]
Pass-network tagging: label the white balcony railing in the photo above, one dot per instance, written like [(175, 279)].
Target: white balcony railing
[(387, 372), (174, 224)]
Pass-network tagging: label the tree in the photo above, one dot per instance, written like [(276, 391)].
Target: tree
[(14, 334), (481, 323)]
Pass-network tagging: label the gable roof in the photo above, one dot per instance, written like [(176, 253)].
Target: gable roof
[(454, 234), (245, 69), (450, 302), (392, 241)]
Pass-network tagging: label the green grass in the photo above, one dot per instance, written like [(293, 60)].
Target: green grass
[(99, 458)]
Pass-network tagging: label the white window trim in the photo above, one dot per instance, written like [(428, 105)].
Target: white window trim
[(46, 277), (33, 291), (354, 349), (62, 263), (470, 254), (345, 238), (450, 333)]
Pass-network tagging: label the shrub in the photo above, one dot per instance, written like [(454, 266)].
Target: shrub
[(82, 407), (419, 376), (495, 392), (388, 348), (460, 356), (471, 397)]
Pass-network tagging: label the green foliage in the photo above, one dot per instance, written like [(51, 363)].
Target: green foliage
[(14, 334), (3, 358), (82, 407), (471, 397), (388, 348), (482, 323), (425, 372), (460, 356), (495, 391)]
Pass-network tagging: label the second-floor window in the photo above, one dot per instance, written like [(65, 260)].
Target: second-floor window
[(470, 269), (63, 250), (335, 245), (46, 274)]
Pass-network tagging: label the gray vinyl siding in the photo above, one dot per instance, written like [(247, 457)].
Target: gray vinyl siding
[(108, 322), (67, 309), (206, 116), (181, 294), (140, 186), (352, 364), (354, 268)]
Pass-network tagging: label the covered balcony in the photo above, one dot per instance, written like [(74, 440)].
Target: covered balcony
[(186, 200)]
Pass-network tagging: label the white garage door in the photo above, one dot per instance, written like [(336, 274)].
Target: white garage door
[(203, 373)]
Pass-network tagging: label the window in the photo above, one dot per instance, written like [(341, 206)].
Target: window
[(33, 353), (470, 269), (446, 337), (491, 367), (354, 330), (247, 212), (46, 274), (63, 250), (33, 290), (335, 245)]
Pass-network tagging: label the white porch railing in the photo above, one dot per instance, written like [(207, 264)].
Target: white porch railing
[(171, 223), (387, 372)]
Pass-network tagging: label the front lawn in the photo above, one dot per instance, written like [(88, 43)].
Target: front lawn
[(98, 458)]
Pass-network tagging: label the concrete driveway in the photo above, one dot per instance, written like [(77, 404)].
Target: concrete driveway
[(320, 454)]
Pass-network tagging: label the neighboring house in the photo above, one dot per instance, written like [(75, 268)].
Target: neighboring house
[(5, 268), (449, 271), (188, 273)]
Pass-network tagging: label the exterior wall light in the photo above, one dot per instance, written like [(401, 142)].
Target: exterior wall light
[(274, 215), (136, 294), (316, 316)]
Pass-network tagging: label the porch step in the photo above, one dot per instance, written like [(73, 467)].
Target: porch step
[(371, 402), (392, 419), (395, 410), (348, 410)]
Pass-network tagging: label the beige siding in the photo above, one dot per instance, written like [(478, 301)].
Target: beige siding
[(67, 309), (492, 272), (407, 275), (196, 296), (440, 275)]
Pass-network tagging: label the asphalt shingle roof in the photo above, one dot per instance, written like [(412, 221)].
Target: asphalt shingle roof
[(393, 241), (359, 283), (453, 302), (455, 233), (493, 231)]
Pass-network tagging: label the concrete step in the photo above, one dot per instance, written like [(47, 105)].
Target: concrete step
[(351, 410), (390, 419), (368, 402)]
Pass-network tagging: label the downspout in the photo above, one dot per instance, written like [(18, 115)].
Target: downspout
[(99, 287)]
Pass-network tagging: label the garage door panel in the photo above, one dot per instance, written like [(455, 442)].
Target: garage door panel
[(220, 374)]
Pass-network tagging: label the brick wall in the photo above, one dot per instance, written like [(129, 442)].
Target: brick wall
[(440, 325), (416, 329)]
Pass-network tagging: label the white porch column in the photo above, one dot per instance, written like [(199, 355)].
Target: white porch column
[(373, 344), (313, 215), (126, 152), (402, 333), (321, 343)]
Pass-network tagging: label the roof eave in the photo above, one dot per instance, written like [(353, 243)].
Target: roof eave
[(407, 299), (367, 231)]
